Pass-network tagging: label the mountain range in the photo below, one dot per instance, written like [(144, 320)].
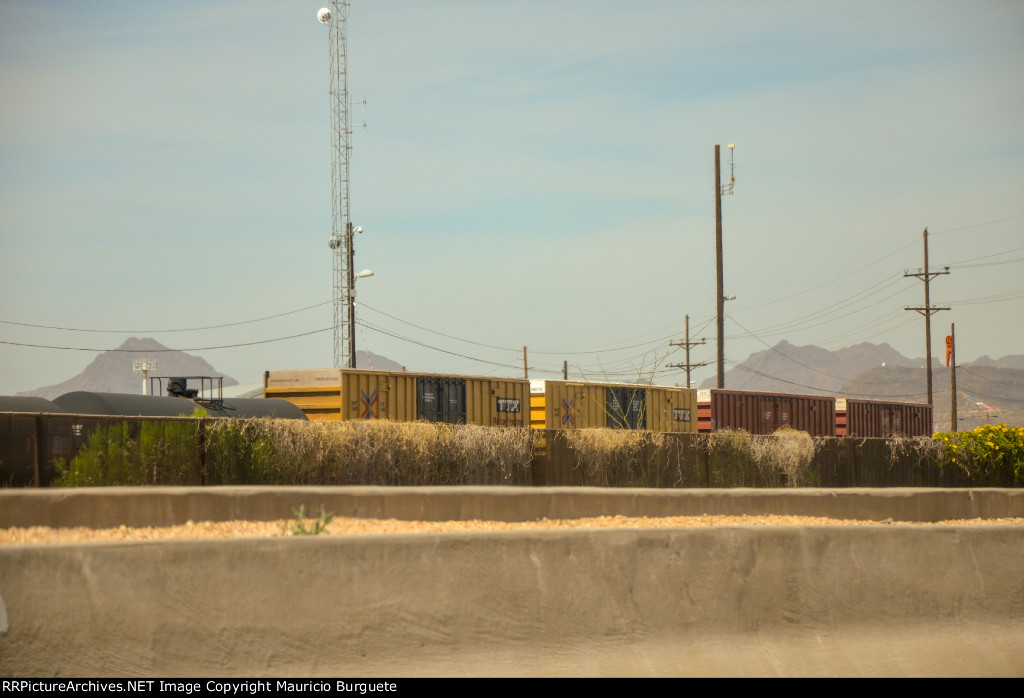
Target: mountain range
[(987, 389)]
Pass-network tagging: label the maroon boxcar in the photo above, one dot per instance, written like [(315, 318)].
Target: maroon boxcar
[(878, 419), (763, 413)]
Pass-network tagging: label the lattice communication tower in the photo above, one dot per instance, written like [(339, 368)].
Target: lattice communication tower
[(336, 18)]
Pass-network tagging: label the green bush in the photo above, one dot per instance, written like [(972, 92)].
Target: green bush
[(134, 453)]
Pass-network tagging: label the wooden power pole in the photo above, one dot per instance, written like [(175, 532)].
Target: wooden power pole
[(720, 285), (686, 344), (928, 310)]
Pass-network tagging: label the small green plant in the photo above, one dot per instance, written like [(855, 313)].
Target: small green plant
[(303, 526)]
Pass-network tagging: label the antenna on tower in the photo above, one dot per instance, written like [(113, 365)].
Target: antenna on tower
[(340, 243), (144, 366), (727, 188)]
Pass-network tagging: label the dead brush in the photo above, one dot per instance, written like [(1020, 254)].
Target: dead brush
[(729, 458), (490, 455), (382, 452), (783, 458), (614, 457), (921, 449)]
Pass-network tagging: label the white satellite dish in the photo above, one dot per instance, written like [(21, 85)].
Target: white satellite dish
[(324, 15)]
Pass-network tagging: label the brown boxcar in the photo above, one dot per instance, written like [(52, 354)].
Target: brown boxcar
[(880, 419), (764, 413)]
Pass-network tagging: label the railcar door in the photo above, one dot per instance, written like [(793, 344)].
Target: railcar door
[(441, 400)]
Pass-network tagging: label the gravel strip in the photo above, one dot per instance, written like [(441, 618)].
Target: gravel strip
[(340, 526)]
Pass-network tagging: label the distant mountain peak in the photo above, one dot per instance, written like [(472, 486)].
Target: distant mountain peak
[(112, 371), (144, 344)]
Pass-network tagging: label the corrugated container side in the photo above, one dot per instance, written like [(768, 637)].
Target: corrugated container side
[(879, 419), (672, 409), (400, 398), (317, 392), (764, 413), (573, 405), (365, 394), (501, 402)]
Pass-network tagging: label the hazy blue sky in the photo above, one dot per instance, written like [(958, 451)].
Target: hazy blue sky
[(532, 173)]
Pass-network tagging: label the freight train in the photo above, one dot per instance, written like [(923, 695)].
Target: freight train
[(34, 432), (343, 394)]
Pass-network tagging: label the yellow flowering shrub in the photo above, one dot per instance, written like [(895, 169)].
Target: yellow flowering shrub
[(991, 455)]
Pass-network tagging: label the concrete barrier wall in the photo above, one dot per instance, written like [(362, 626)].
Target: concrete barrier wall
[(164, 506), (739, 601)]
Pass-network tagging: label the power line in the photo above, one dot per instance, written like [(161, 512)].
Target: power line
[(363, 323), (978, 225), (598, 350), (184, 329), (156, 351)]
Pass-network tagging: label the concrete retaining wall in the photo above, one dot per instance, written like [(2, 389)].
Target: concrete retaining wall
[(164, 506), (857, 601)]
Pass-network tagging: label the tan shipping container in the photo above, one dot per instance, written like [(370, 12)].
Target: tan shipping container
[(577, 405), (672, 410), (346, 394), (478, 400), (378, 395), (500, 402)]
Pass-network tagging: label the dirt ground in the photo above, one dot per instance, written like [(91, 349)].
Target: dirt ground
[(341, 526)]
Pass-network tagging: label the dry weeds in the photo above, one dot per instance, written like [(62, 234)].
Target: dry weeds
[(382, 452)]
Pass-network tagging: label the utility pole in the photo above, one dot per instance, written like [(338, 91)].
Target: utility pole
[(720, 285), (951, 362), (687, 344), (928, 310)]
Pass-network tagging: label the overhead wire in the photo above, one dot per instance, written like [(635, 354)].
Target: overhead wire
[(157, 351), (184, 329)]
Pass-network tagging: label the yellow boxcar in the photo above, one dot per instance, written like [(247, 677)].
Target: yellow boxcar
[(672, 409), (344, 394), (578, 405)]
